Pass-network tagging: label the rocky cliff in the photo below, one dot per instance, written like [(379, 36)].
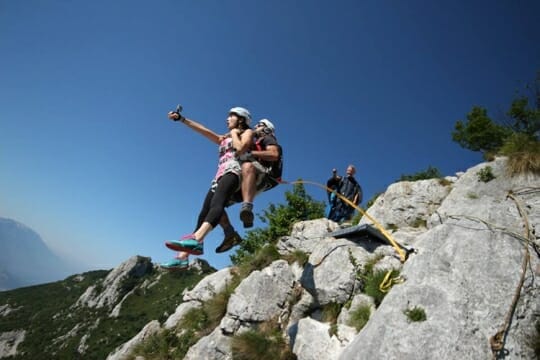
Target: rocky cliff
[(468, 291)]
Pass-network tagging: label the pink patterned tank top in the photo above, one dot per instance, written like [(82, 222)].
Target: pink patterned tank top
[(227, 159)]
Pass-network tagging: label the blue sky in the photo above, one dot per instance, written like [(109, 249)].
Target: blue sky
[(89, 160)]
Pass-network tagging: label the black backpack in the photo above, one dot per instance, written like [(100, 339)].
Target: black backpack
[(275, 168)]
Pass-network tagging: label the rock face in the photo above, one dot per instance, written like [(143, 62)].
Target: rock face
[(113, 286), (123, 352), (464, 276), (9, 341), (469, 241)]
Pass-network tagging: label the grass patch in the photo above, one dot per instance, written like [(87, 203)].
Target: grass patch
[(298, 256), (333, 330), (264, 343), (164, 345), (195, 324), (415, 314), (370, 264), (263, 257), (444, 182), (216, 307), (418, 222), (472, 196), (523, 153), (330, 312), (485, 174), (372, 279), (373, 282), (359, 317), (521, 163)]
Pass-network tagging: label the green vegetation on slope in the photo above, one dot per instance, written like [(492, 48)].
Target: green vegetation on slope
[(48, 314)]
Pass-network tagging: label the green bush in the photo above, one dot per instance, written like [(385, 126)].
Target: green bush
[(518, 138), (47, 313), (429, 173), (479, 132), (280, 219), (485, 174)]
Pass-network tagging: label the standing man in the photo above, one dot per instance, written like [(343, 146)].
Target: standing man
[(348, 187), (332, 186)]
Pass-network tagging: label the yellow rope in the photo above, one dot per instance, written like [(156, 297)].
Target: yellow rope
[(402, 254), (388, 282)]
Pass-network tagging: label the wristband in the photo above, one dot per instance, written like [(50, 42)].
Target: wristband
[(180, 117)]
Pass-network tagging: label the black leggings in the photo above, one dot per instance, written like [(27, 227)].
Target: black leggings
[(215, 201)]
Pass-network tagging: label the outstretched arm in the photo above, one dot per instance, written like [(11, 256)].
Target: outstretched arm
[(201, 129)]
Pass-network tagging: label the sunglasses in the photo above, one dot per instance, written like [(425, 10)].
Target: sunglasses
[(260, 124)]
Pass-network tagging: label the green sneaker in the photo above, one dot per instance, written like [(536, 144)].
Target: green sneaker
[(229, 242), (176, 264), (190, 245)]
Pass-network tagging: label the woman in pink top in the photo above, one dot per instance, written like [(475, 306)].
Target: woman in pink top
[(227, 181)]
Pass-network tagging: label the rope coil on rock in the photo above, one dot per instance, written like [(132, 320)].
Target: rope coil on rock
[(388, 281)]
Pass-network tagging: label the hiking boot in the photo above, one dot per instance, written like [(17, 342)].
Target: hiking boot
[(176, 264), (229, 241), (189, 245), (246, 215)]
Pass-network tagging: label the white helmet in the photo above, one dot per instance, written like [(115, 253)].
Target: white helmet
[(268, 124), (243, 112)]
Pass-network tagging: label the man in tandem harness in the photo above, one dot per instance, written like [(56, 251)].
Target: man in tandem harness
[(261, 168)]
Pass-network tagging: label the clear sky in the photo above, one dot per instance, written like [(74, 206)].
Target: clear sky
[(89, 160)]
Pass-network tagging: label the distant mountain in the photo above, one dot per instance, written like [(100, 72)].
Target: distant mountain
[(25, 259)]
